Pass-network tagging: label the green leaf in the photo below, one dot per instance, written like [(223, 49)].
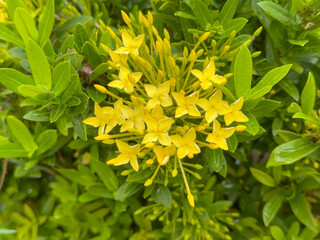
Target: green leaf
[(34, 92), (294, 108), (202, 13), (62, 125), (67, 43), (61, 77), (278, 34), (38, 115), (22, 134), (46, 23), (270, 79), (83, 105), (57, 111), (233, 25), (271, 208), (25, 24), (252, 125), (242, 71), (264, 107), (184, 15), (106, 175), (79, 127), (291, 152), (39, 65), (13, 5), (279, 13), (98, 71), (70, 24), (95, 95), (12, 79), (7, 35), (12, 150), (308, 95), (216, 160), (127, 189), (301, 210), (287, 135), (46, 140), (162, 195), (80, 36), (290, 88), (69, 91), (92, 55), (228, 11), (298, 42), (262, 177), (232, 143), (307, 117), (277, 233)]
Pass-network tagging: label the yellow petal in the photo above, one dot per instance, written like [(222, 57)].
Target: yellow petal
[(237, 105), (151, 90), (194, 148), (211, 138), (136, 76), (205, 84), (165, 124), (240, 117), (180, 111), (93, 121), (123, 73), (222, 143), (211, 115), (228, 118), (190, 136), (126, 39), (122, 50), (116, 84), (180, 98), (193, 111), (204, 104), (123, 147), (137, 41), (216, 97), (209, 70), (98, 111), (197, 73), (120, 160), (218, 79), (164, 139), (177, 140), (182, 152), (164, 88), (150, 137), (165, 101), (134, 163), (227, 132)]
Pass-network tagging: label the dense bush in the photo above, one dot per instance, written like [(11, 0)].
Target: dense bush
[(136, 119)]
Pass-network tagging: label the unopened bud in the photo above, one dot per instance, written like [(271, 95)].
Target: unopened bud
[(149, 145), (149, 162), (150, 18), (158, 47), (226, 48), (316, 165), (241, 128), (167, 44), (166, 34), (193, 56), (100, 88), (191, 199), (204, 37), (174, 172), (257, 32), (112, 34), (172, 82), (256, 54), (102, 137), (126, 172), (185, 52), (141, 60), (228, 75), (148, 182), (125, 18), (109, 141), (201, 128), (190, 155), (200, 52), (196, 84)]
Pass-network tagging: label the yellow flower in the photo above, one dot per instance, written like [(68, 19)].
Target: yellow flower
[(235, 114), (158, 131), (134, 118), (118, 59), (214, 106), (208, 76), (130, 45), (127, 80), (102, 118), (127, 153), (163, 154), (116, 116), (186, 145), (219, 135), (186, 104), (156, 113), (158, 95)]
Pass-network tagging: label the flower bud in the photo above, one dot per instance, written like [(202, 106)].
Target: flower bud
[(241, 128), (149, 162), (166, 34), (193, 56), (149, 145), (100, 88), (150, 18), (148, 182), (109, 141), (102, 137), (204, 37), (174, 172), (191, 199), (213, 146), (125, 18), (200, 52)]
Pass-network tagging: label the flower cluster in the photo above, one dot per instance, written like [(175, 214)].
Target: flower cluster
[(168, 107)]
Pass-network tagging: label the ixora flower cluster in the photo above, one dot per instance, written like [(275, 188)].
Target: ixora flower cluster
[(168, 107)]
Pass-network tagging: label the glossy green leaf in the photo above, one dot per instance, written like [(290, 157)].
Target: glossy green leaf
[(80, 36), (270, 79), (201, 13), (12, 79), (92, 55), (243, 71), (301, 210), (34, 92), (262, 177), (21, 133), (252, 125), (184, 15), (228, 11), (67, 43), (216, 160), (69, 91), (13, 5), (80, 129), (307, 117), (291, 152), (25, 24), (12, 150), (61, 78), (39, 65), (264, 107), (127, 189), (46, 22), (95, 95), (46, 140), (278, 12), (106, 175), (162, 195), (98, 71), (287, 135), (37, 115), (278, 34), (271, 208), (290, 88), (57, 111), (233, 25), (294, 108), (277, 233), (72, 23), (308, 95), (7, 35)]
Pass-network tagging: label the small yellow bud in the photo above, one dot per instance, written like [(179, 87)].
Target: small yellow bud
[(294, 125), (105, 48), (109, 141), (256, 54), (134, 100), (100, 88), (241, 128), (316, 165), (166, 34), (185, 52), (201, 128), (140, 132), (167, 44), (145, 22), (272, 92), (193, 56), (140, 16), (197, 166), (149, 145), (126, 172), (191, 199), (196, 85), (150, 18), (148, 182), (141, 60), (102, 137), (190, 155), (155, 31), (226, 48), (213, 146), (172, 82), (112, 34), (160, 74), (200, 52), (172, 62), (174, 172), (257, 32), (228, 75), (125, 18), (158, 47), (149, 162), (186, 127), (204, 37)]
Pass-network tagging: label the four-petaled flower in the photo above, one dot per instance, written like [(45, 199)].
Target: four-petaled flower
[(235, 114), (118, 59), (186, 104), (158, 95), (126, 81), (219, 135), (208, 76), (163, 154), (130, 45), (134, 118), (214, 106), (127, 153), (186, 145)]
